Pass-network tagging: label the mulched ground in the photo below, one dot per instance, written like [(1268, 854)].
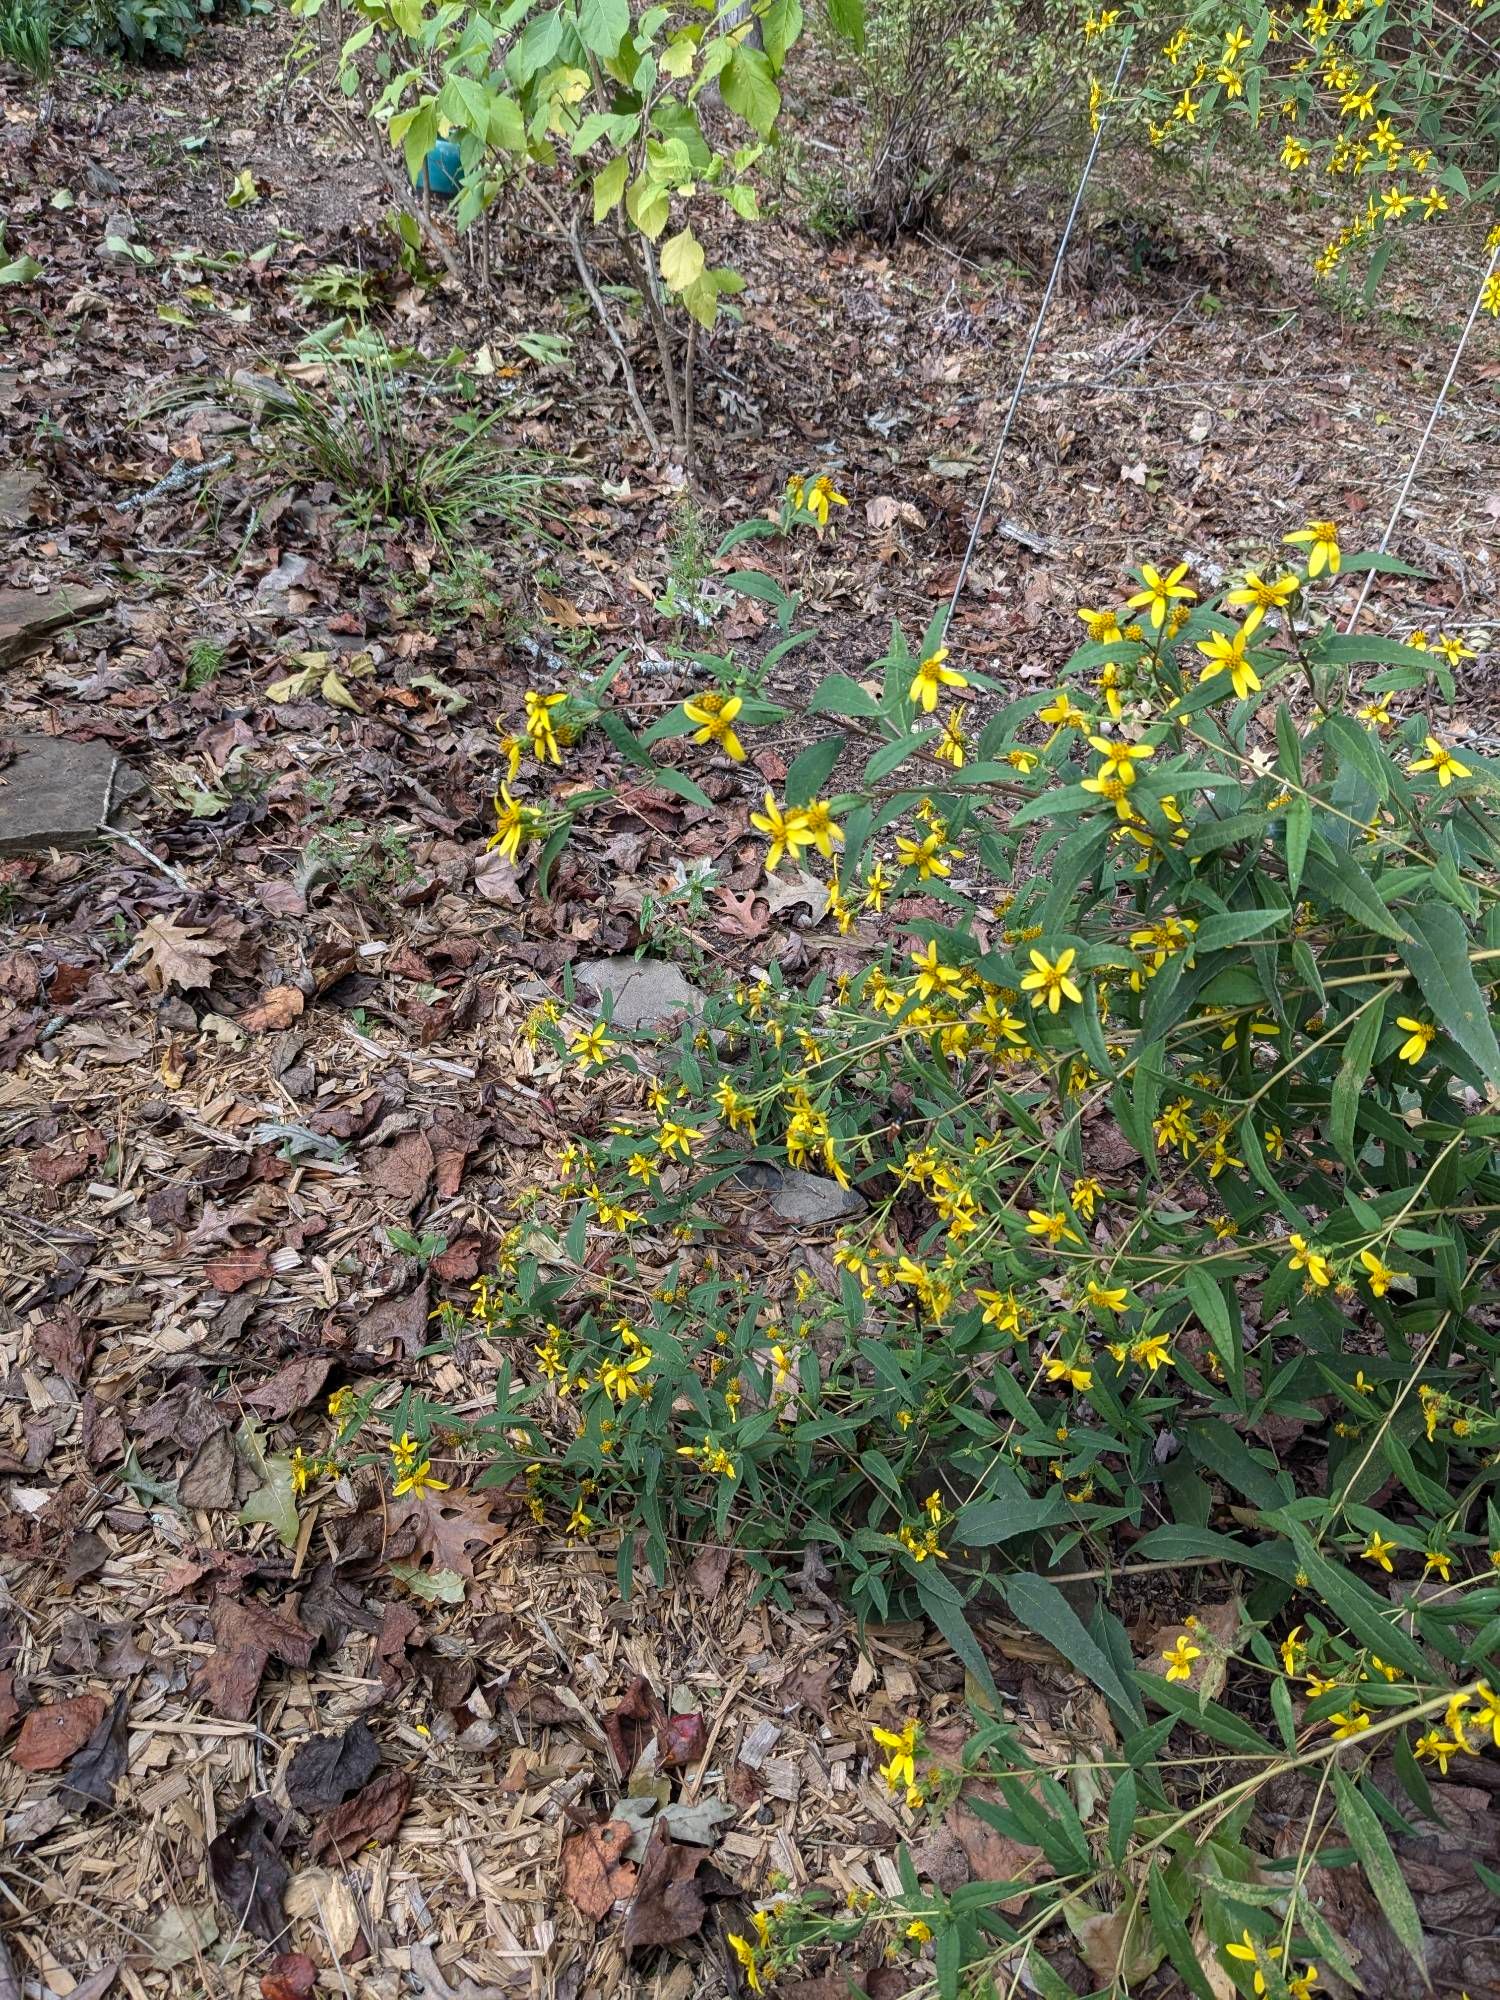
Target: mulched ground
[(238, 1050)]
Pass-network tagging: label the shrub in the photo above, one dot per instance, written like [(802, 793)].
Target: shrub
[(959, 100), (611, 96), (149, 31), (1392, 112), (1173, 1125)]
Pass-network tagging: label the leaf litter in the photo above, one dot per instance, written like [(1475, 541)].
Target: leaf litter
[(232, 1063)]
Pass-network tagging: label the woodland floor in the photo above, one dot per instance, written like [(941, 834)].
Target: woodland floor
[(199, 1177)]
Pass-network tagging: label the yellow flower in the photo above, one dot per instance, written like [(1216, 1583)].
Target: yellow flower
[(1053, 1227), (405, 1451), (817, 828), (1157, 596), (934, 977), (1378, 1550), (511, 747), (1302, 1986), (1120, 759), (1453, 648), (1002, 1310), (931, 677), (1441, 1561), (1420, 1035), (820, 496), (539, 728), (1441, 762), (512, 825), (674, 1136), (1350, 1724), (1049, 984), (1381, 1276), (745, 1952), (1305, 1258), (1293, 153), (579, 1523), (900, 1771), (1152, 1352), (952, 746), (1248, 1952), (1062, 713), (919, 1932), (1073, 1372), (419, 1480), (1106, 1298), (591, 1046), (1322, 541), (715, 716), (1293, 1652), (788, 831), (1262, 595), (1436, 1749), (1227, 655), (1101, 625), (1180, 1660)]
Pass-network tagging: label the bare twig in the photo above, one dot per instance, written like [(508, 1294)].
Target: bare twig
[(596, 299)]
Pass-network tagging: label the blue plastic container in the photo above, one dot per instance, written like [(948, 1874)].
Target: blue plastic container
[(442, 170)]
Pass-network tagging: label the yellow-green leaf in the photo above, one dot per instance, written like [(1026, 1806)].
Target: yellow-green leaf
[(682, 260), (609, 185), (648, 206)]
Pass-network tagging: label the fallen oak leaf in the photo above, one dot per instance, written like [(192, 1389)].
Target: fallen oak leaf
[(595, 1873), (446, 1526), (294, 1385), (175, 954), (292, 1977), (375, 1814)]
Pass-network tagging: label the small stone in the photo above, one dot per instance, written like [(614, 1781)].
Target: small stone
[(28, 620), (647, 991), (19, 486), (810, 1199), (281, 592), (58, 793)]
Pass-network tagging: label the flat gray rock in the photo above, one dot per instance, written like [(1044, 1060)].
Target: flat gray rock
[(56, 793), (19, 486), (29, 619), (647, 991), (810, 1199)]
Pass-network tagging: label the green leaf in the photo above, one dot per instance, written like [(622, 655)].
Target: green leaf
[(1437, 954), (944, 1607), (609, 186), (983, 1523), (1348, 1085), (1042, 1608), (1338, 878), (747, 87), (1166, 1921), (1180, 1544), (1233, 927), (1295, 831), (811, 770), (20, 271), (890, 756), (1372, 1621), (838, 695), (682, 785), (603, 24), (847, 18), (1382, 1871)]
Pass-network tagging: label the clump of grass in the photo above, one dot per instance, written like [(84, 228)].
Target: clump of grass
[(397, 457), (29, 34)]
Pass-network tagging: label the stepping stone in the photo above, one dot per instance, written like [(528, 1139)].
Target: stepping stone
[(28, 621), (647, 991), (57, 793), (19, 487)]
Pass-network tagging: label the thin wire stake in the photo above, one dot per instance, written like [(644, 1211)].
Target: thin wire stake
[(1026, 359), (1437, 411)]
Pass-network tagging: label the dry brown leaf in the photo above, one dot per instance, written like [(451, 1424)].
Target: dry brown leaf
[(374, 1814), (277, 1008), (175, 954), (595, 1873), (231, 1273), (448, 1526), (51, 1735)]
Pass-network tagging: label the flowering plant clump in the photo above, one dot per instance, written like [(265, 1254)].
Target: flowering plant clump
[(1391, 111), (1157, 1080)]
